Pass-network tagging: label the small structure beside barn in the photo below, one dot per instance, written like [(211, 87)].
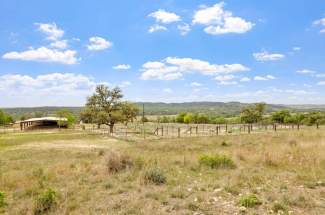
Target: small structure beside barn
[(43, 122)]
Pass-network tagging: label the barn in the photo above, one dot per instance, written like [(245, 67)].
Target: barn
[(43, 122)]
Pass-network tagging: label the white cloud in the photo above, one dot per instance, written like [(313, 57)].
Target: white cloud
[(59, 44), (220, 21), (122, 67), (226, 83), (320, 22), (224, 77), (124, 84), (196, 84), (296, 48), (98, 43), (51, 30), (156, 27), (44, 54), (306, 71), (184, 29), (245, 79), (167, 90), (320, 75), (265, 56), (172, 68), (264, 78), (321, 83), (164, 16)]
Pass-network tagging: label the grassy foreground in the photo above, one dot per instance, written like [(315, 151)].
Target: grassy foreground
[(75, 173)]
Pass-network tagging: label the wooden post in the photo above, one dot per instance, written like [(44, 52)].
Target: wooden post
[(249, 129), (197, 130), (226, 128), (298, 127), (179, 132), (217, 130), (317, 125)]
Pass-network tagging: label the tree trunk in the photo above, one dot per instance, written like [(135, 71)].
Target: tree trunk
[(111, 128)]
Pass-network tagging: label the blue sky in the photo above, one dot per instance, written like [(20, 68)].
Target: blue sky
[(56, 52)]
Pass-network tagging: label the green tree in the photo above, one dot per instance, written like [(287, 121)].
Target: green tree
[(180, 117), (105, 107), (5, 118), (253, 113), (189, 118), (128, 111), (280, 116), (64, 113)]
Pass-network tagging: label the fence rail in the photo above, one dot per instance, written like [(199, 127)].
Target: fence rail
[(171, 130)]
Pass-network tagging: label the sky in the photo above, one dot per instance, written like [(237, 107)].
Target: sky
[(54, 53)]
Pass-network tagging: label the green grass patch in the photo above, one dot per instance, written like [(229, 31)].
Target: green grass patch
[(154, 176), (217, 162), (249, 201)]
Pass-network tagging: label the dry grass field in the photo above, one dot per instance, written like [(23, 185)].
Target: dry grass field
[(77, 173)]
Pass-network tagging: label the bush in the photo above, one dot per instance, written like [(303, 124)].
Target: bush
[(217, 162), (2, 199), (277, 207), (46, 202), (249, 201), (117, 162), (154, 176)]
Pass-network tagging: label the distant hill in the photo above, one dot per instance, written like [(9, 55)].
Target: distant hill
[(154, 108)]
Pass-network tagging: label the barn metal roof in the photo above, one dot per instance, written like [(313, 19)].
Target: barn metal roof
[(46, 119)]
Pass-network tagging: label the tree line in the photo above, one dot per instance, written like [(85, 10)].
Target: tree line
[(106, 107), (251, 114)]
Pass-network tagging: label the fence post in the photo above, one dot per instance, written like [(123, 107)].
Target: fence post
[(249, 129), (179, 132)]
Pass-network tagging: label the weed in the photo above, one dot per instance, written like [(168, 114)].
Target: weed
[(2, 199), (277, 207), (224, 143), (155, 176), (249, 201), (46, 202), (193, 207), (117, 162), (217, 162), (101, 152)]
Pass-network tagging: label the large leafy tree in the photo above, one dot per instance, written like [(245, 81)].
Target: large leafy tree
[(105, 107), (5, 118), (253, 113)]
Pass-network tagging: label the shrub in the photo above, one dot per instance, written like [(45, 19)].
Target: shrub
[(2, 199), (154, 176), (224, 143), (249, 201), (217, 161), (46, 202), (277, 207), (117, 162)]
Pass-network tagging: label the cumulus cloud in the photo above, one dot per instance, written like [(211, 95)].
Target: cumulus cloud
[(124, 84), (57, 89), (196, 84), (172, 68), (245, 79), (264, 78), (52, 31), (167, 90), (296, 48), (165, 17), (321, 23), (44, 54), (156, 27), (306, 71), (98, 43), (122, 67), (59, 44), (184, 29), (220, 21), (266, 56), (321, 83)]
